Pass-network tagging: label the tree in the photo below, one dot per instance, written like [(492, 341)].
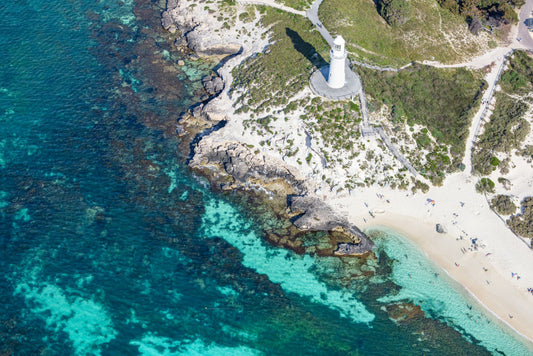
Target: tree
[(395, 12), (503, 204), (485, 185)]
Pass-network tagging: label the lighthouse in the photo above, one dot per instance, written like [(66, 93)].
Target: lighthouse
[(337, 55)]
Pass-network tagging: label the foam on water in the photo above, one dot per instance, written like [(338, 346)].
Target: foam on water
[(84, 321), (154, 345), (427, 285), (291, 271)]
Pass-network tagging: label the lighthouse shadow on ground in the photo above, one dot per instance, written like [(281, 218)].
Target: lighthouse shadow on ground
[(305, 48)]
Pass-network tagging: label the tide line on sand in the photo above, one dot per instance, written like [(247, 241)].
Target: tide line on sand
[(423, 284)]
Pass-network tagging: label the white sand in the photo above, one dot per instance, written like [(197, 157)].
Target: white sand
[(415, 218), (485, 273)]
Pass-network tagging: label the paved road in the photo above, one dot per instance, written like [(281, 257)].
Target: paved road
[(523, 32), (312, 15)]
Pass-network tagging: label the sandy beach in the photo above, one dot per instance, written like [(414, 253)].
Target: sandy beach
[(478, 250), (497, 273)]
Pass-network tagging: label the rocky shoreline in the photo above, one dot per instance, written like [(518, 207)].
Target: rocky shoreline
[(230, 165)]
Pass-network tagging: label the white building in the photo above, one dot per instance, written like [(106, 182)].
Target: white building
[(337, 76)]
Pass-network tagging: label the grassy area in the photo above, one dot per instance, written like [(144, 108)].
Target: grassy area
[(427, 34), (336, 122), (297, 4), (272, 78), (518, 78), (505, 131), (443, 100)]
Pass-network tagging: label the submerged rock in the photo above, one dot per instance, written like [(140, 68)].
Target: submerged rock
[(404, 312), (349, 249)]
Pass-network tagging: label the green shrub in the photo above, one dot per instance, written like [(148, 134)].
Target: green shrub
[(522, 223), (503, 204), (395, 12), (485, 185), (505, 131), (518, 78), (443, 100)]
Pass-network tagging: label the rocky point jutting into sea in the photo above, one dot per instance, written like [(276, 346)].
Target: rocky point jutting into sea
[(111, 245), (256, 156), (233, 165)]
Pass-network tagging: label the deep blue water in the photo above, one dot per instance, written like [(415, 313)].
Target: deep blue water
[(109, 245)]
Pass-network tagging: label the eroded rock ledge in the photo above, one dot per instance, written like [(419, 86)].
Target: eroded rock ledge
[(318, 216), (231, 165), (234, 165), (205, 38)]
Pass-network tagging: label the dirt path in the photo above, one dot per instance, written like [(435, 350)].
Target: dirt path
[(497, 56), (484, 112), (274, 4)]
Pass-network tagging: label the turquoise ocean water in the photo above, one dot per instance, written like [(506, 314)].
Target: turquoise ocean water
[(109, 246)]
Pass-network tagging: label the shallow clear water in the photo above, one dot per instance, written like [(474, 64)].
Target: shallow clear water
[(108, 244), (429, 287)]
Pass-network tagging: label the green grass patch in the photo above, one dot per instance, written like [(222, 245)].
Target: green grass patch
[(505, 131), (272, 78), (420, 37), (297, 4), (443, 100), (518, 78)]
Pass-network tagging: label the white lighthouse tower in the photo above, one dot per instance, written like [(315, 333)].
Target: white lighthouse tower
[(337, 55)]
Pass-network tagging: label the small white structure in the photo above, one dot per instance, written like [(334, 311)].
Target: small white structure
[(337, 77)]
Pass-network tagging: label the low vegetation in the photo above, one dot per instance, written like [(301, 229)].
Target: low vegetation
[(522, 223), (297, 4), (503, 204), (485, 185), (271, 78), (505, 131), (336, 122), (443, 100), (518, 78), (399, 31)]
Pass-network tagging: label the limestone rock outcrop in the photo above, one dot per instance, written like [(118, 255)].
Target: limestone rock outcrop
[(234, 165), (213, 84), (200, 31), (317, 215)]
